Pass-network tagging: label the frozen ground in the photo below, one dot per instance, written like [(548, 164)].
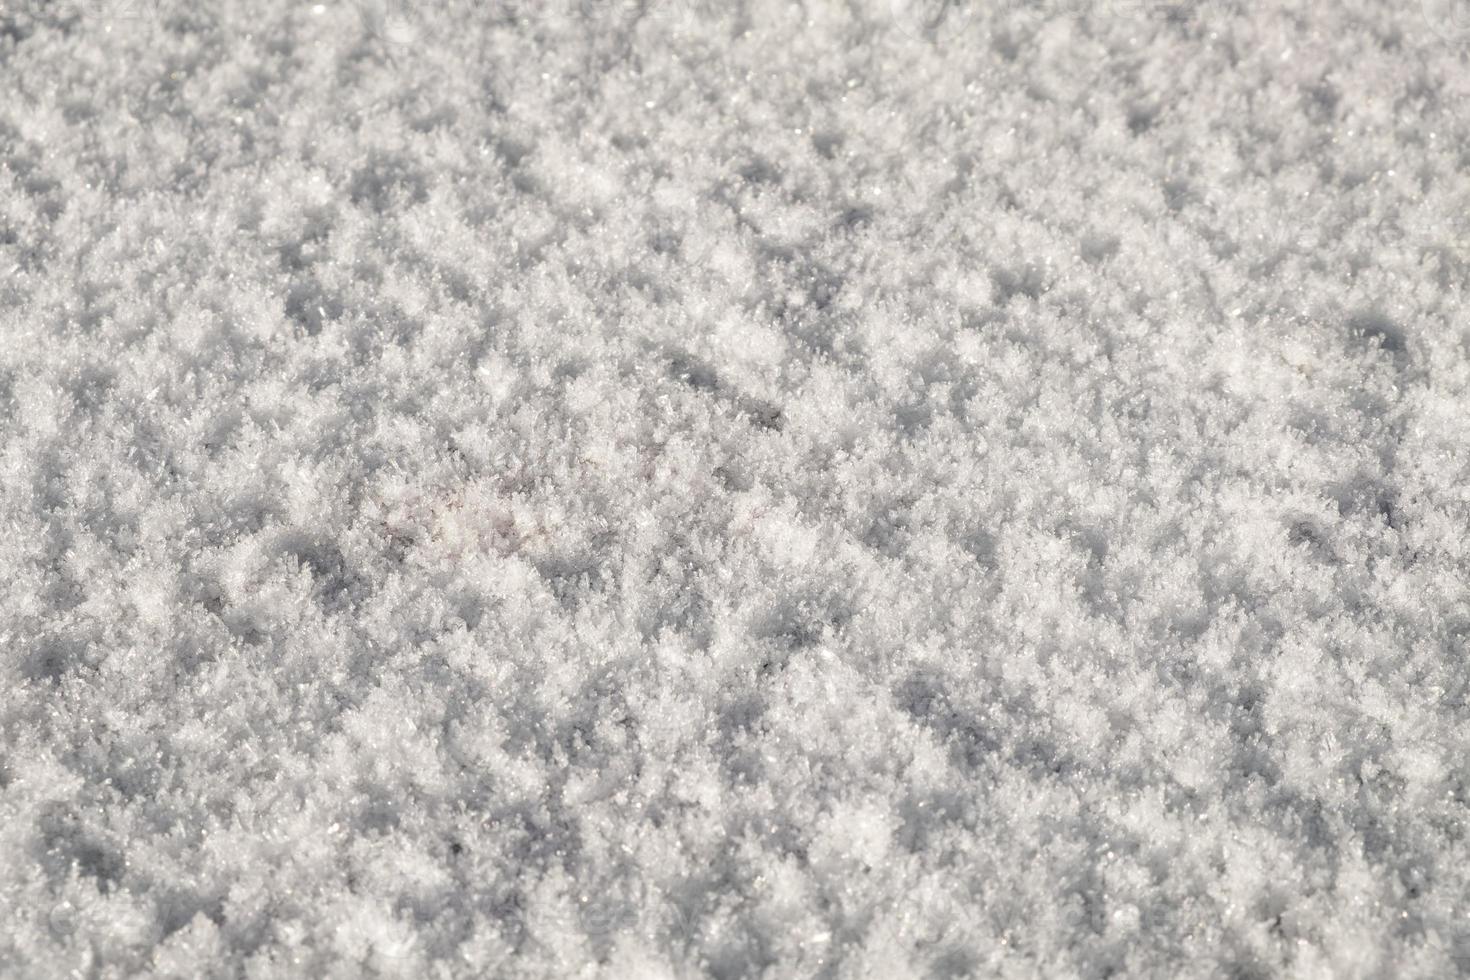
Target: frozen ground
[(731, 490)]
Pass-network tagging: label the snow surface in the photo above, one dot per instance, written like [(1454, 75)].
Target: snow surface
[(680, 489)]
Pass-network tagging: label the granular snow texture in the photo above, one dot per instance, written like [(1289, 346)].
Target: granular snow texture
[(750, 489)]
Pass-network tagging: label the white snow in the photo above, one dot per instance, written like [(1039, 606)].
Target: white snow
[(665, 488)]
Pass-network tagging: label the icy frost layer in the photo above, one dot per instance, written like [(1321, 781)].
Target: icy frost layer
[(688, 490)]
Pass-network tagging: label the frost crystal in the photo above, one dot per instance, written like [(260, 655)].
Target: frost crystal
[(665, 488)]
